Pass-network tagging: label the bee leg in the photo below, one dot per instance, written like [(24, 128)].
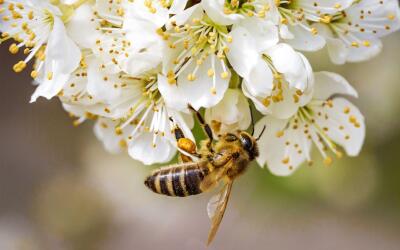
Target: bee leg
[(206, 128), (184, 144)]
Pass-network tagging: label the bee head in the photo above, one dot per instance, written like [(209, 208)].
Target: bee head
[(247, 142)]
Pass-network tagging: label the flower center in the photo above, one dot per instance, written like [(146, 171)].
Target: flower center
[(197, 42), (280, 89), (147, 112), (246, 7)]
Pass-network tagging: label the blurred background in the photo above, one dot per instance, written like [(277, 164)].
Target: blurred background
[(59, 189)]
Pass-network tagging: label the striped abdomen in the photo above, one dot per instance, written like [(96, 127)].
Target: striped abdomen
[(177, 181)]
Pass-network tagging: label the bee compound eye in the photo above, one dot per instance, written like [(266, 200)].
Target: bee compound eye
[(246, 142)]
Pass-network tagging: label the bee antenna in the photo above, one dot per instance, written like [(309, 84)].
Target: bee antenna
[(262, 132), (252, 120)]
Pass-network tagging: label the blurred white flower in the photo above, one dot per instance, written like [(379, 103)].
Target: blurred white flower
[(294, 18), (327, 122), (353, 34), (39, 27), (231, 114)]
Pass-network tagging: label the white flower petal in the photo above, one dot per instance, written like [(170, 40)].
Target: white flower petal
[(260, 79), (201, 92), (178, 6), (62, 58), (329, 84), (345, 125), (243, 54), (292, 65), (232, 113), (138, 10), (337, 51), (101, 83), (146, 51), (142, 149), (304, 40), (215, 10), (104, 130), (280, 150), (81, 28), (263, 32), (283, 109), (325, 6)]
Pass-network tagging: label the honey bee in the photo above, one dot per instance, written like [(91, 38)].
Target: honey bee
[(221, 160)]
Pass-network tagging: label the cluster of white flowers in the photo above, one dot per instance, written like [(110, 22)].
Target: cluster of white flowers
[(134, 65)]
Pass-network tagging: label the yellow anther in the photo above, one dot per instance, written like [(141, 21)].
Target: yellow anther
[(224, 75), (34, 74), (19, 67), (50, 76), (13, 48), (328, 161), (279, 134), (191, 77), (210, 73)]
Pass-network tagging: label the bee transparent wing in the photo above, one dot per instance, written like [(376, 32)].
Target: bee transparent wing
[(211, 180), (216, 209), (200, 164)]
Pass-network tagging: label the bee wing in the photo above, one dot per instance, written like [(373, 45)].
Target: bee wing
[(199, 164), (215, 176), (216, 209)]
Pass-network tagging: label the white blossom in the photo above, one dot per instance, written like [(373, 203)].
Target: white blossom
[(275, 77), (38, 27), (195, 64), (132, 67), (327, 122), (295, 16), (354, 34), (231, 114), (130, 113)]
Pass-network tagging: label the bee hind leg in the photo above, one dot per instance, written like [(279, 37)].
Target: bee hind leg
[(185, 144)]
